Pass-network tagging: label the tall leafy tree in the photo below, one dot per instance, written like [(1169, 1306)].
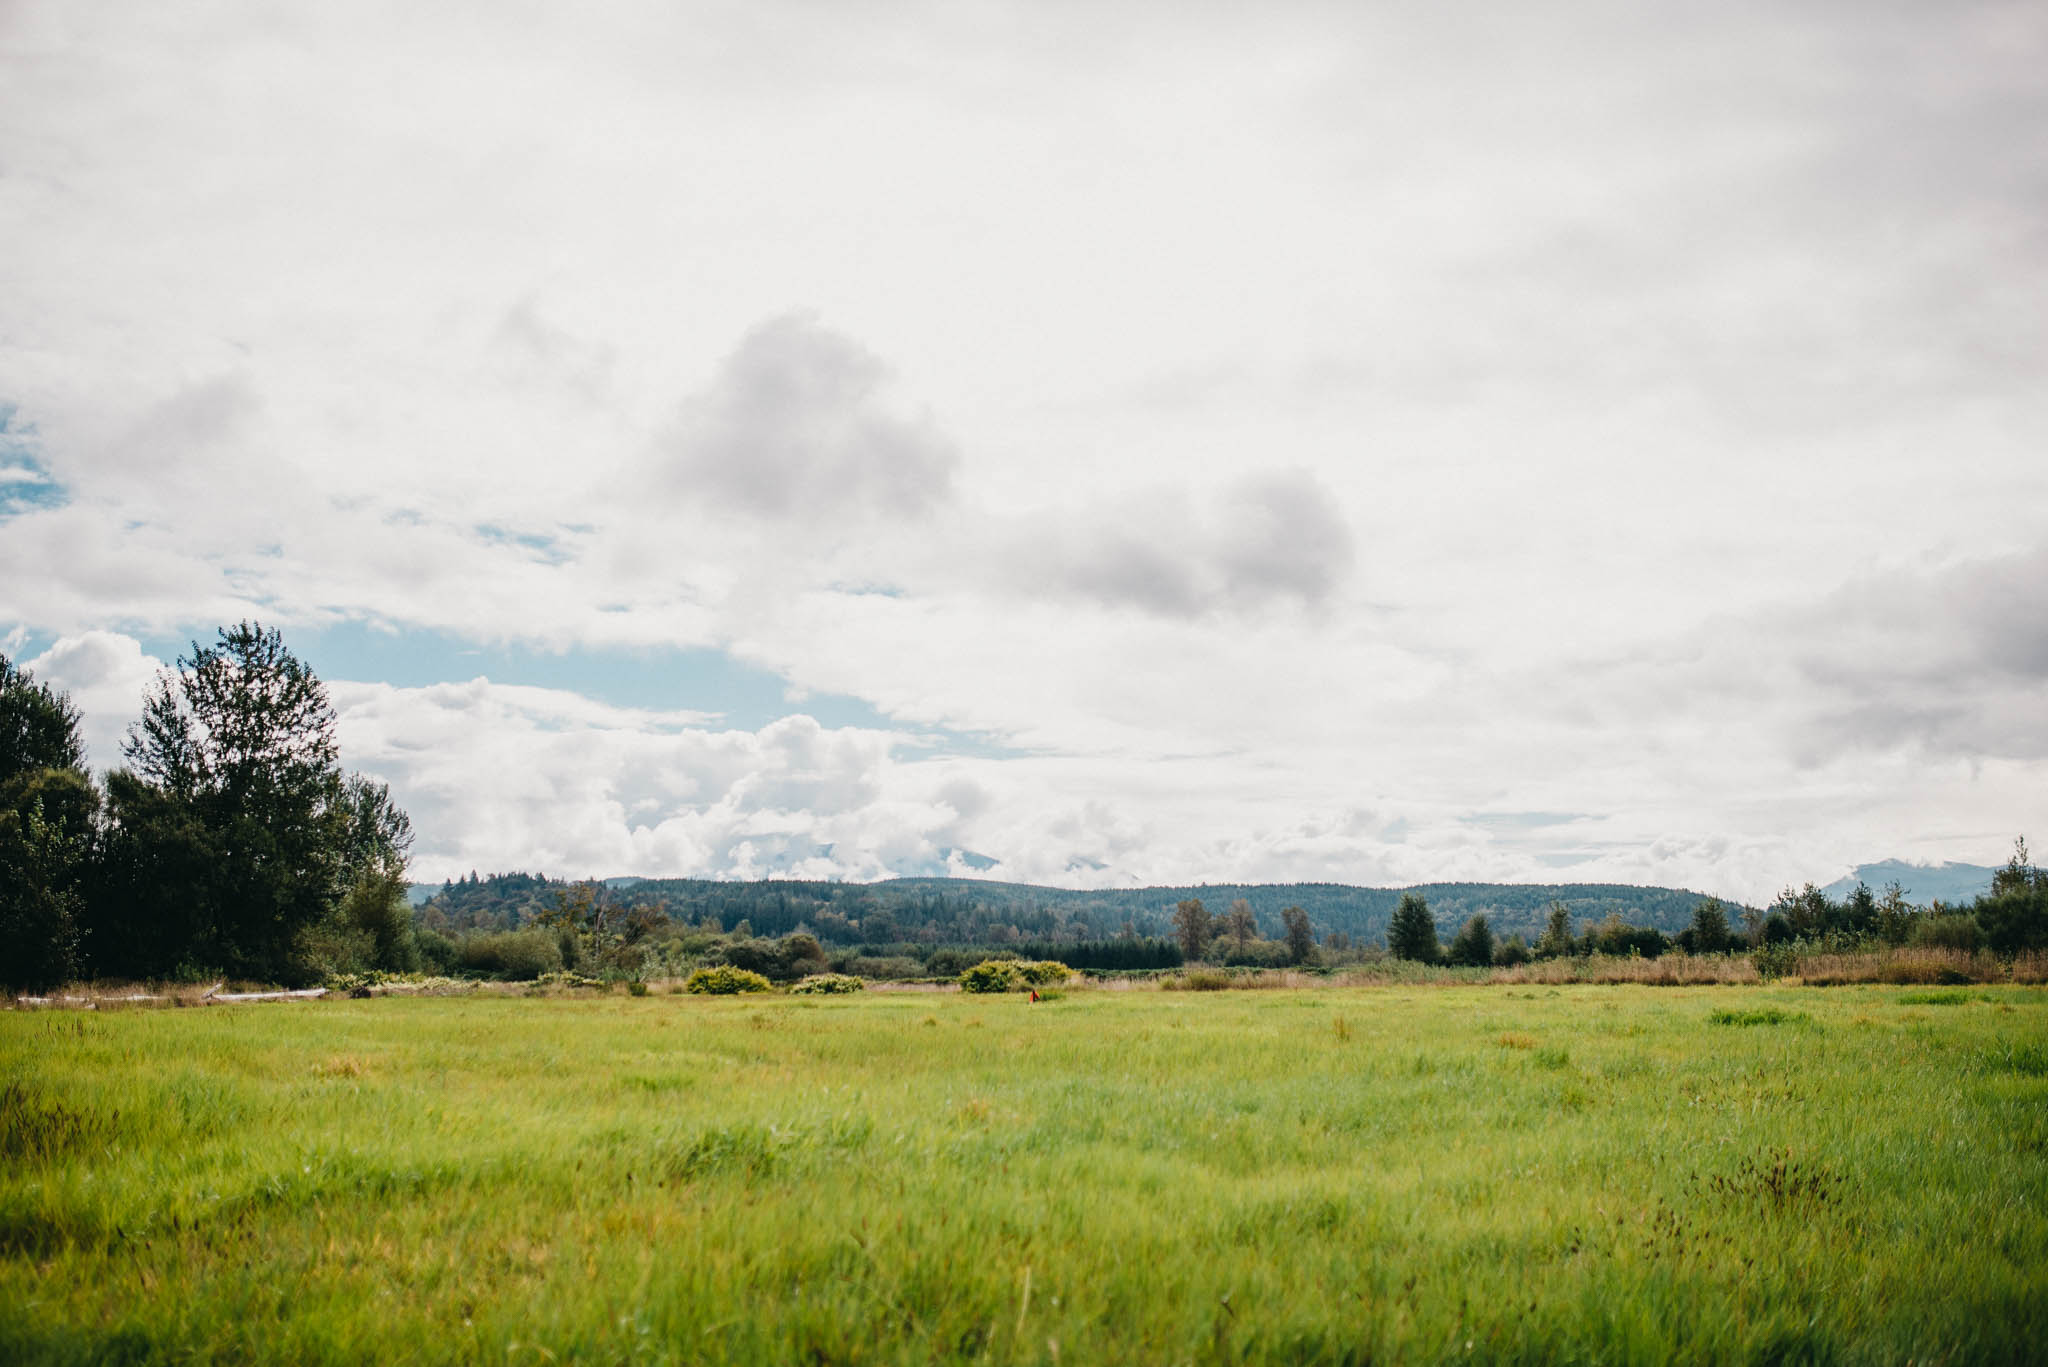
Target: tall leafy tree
[(234, 834), (47, 807), (1193, 927), (38, 726), (1557, 939), (1239, 923), (1412, 932), (1301, 937)]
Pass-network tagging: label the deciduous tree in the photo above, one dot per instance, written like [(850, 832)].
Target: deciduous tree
[(1192, 927), (1301, 937)]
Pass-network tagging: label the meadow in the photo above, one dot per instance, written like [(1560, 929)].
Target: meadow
[(1536, 1173)]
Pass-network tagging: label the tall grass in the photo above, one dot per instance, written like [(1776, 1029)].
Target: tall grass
[(1530, 1172)]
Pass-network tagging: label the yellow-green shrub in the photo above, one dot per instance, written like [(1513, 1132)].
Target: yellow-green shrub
[(829, 984), (725, 980)]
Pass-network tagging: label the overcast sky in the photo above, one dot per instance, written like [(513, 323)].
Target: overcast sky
[(1126, 442)]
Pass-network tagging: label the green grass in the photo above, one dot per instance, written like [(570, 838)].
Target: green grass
[(1444, 1174)]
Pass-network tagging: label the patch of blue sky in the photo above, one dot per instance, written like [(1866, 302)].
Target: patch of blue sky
[(546, 549), (1523, 821), (731, 692), (670, 679), (26, 484)]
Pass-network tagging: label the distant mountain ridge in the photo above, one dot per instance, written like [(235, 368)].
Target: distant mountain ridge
[(1922, 883), (973, 911)]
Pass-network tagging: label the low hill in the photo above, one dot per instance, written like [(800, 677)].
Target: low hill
[(969, 911)]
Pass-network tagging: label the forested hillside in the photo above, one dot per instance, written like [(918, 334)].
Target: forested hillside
[(967, 911)]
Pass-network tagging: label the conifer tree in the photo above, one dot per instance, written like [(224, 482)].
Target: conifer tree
[(1412, 932)]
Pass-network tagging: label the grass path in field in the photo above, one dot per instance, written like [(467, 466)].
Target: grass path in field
[(1592, 1174)]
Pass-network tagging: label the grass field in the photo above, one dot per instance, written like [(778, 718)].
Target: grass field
[(1616, 1174)]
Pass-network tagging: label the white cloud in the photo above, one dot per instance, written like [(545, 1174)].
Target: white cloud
[(106, 675)]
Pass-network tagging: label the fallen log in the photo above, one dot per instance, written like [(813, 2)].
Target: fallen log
[(264, 996)]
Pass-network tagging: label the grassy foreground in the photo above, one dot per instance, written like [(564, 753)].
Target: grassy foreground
[(1494, 1174)]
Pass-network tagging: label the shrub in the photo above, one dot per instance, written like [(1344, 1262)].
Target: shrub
[(829, 984), (438, 953), (1949, 932), (1044, 972), (1197, 980), (892, 968), (993, 975), (1773, 960), (725, 980), (515, 955), (951, 963), (637, 988)]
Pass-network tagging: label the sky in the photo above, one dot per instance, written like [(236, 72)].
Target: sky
[(1089, 444)]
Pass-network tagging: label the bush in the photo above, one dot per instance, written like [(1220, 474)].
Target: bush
[(438, 953), (951, 963), (514, 955), (1773, 960), (992, 975), (1044, 972), (893, 968), (1959, 932), (1197, 980), (725, 980), (828, 984)]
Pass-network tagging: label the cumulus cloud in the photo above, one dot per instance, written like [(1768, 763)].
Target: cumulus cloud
[(581, 788), (106, 675), (797, 425)]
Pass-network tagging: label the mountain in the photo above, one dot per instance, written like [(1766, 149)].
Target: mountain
[(1923, 883)]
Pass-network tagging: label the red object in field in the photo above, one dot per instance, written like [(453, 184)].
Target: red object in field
[(1034, 994)]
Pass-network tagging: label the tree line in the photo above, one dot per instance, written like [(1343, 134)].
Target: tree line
[(229, 842)]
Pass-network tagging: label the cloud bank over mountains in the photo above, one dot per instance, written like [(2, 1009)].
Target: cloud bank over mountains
[(1311, 442)]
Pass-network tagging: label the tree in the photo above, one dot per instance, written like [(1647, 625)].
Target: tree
[(1708, 933), (234, 835), (38, 726), (1412, 932), (1192, 927), (1301, 937), (47, 811), (1556, 940), (1474, 945), (1895, 915), (2014, 914), (1239, 923)]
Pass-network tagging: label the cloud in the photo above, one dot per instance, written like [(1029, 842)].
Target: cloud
[(107, 674), (1269, 540), (796, 425)]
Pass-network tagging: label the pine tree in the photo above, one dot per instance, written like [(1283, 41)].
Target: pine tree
[(1412, 932), (1474, 946)]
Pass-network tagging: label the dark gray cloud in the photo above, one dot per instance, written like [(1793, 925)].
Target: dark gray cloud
[(796, 426)]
